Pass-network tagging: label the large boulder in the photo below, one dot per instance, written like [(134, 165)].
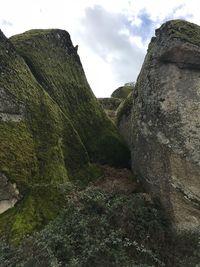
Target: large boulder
[(51, 128), (54, 61), (166, 122)]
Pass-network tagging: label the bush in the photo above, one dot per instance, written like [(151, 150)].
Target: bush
[(101, 229)]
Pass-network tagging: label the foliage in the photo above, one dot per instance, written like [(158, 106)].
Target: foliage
[(105, 229), (95, 229)]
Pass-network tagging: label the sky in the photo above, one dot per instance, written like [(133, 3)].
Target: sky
[(112, 35)]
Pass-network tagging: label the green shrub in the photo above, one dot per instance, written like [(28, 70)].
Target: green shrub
[(103, 229)]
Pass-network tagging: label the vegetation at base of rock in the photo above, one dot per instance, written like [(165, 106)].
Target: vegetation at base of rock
[(59, 71), (105, 229)]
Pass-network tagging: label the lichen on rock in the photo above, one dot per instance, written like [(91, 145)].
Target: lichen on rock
[(166, 122)]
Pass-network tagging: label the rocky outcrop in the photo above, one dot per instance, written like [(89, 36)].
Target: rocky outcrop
[(112, 104), (51, 129), (123, 91), (124, 118), (166, 122), (59, 70)]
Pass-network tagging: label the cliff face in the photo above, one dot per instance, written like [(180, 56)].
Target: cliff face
[(58, 69), (48, 116), (166, 121)]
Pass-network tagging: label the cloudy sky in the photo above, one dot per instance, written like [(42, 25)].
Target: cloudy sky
[(112, 34)]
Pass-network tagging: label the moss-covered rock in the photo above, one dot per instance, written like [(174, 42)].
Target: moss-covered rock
[(123, 118), (51, 128), (56, 65), (110, 105), (39, 146), (123, 91)]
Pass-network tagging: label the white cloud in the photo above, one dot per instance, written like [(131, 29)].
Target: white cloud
[(113, 46)]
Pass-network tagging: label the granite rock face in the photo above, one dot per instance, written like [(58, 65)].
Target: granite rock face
[(166, 122)]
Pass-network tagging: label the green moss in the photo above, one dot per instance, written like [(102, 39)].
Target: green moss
[(61, 123), (122, 92), (39, 152), (184, 30), (110, 103), (87, 174), (125, 108), (17, 155), (58, 69), (41, 204)]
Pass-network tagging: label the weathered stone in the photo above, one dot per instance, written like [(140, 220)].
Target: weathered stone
[(166, 122), (124, 118), (9, 194), (10, 108)]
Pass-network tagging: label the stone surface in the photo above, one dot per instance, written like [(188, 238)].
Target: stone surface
[(124, 118), (9, 194), (10, 108), (166, 122)]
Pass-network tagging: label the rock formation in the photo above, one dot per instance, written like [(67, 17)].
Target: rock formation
[(111, 104), (51, 128), (58, 69), (123, 91), (166, 122), (123, 114)]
